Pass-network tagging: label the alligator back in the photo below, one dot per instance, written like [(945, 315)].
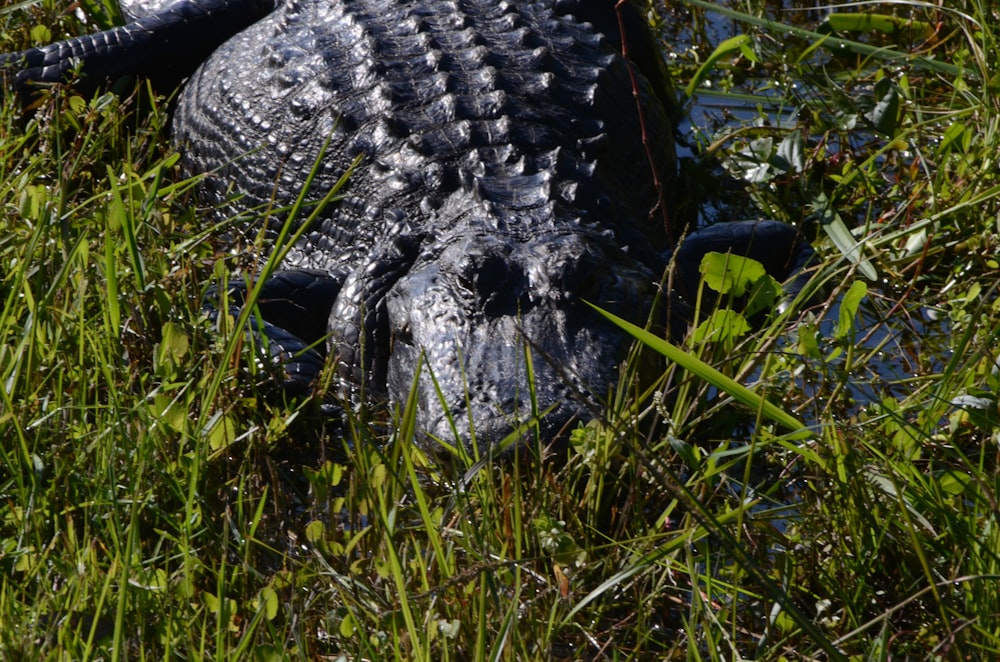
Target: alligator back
[(475, 116)]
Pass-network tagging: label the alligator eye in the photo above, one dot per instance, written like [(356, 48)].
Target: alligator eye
[(490, 283), (492, 276), (479, 274), (466, 275)]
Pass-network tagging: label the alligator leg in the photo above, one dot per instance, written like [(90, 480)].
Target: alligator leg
[(167, 45), (778, 246), (360, 336), (297, 300), (294, 306)]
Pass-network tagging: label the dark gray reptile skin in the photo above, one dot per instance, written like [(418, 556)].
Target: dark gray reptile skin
[(503, 179)]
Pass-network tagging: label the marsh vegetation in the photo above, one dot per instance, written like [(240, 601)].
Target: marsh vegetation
[(159, 500)]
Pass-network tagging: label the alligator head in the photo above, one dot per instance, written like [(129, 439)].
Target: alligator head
[(493, 336)]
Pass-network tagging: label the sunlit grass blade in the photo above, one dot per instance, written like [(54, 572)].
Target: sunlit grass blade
[(702, 370)]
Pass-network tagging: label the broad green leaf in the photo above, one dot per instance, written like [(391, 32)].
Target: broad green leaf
[(952, 482), (171, 413), (221, 431), (315, 530), (722, 325), (730, 274)]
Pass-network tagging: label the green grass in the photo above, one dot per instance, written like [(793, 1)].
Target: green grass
[(161, 500)]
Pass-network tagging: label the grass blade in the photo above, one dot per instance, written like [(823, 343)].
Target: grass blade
[(699, 368)]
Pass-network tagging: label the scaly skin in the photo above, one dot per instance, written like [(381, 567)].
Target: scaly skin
[(511, 165)]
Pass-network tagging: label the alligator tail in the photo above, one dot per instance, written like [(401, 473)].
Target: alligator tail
[(168, 46)]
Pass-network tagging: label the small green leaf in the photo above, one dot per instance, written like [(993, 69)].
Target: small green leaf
[(348, 626), (33, 201), (377, 476), (554, 539), (40, 34), (765, 294), (809, 340), (314, 531), (328, 475), (974, 294), (77, 104), (267, 653), (690, 454), (268, 600), (791, 155), (849, 309), (727, 47), (722, 325), (885, 114), (754, 162), (175, 343), (221, 432)]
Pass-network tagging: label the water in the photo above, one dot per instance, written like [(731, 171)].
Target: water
[(895, 345)]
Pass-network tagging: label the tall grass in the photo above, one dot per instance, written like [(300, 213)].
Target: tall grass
[(160, 499)]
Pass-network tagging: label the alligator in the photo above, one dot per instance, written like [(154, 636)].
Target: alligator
[(507, 161)]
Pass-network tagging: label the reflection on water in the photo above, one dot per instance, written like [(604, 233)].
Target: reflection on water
[(893, 347)]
